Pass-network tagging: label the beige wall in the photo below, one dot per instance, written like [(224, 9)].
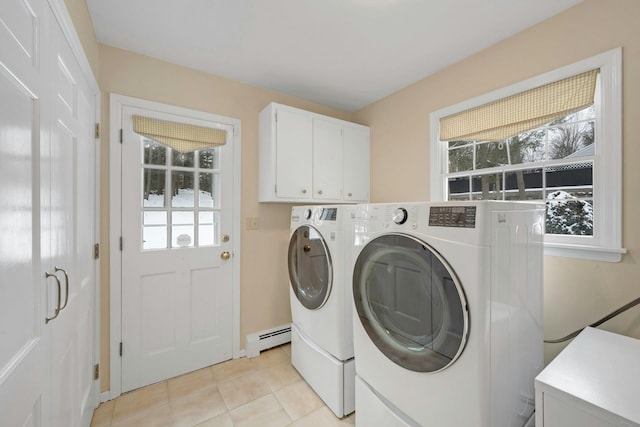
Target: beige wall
[(264, 285), (84, 27), (577, 292)]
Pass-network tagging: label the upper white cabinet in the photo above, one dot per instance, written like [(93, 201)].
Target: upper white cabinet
[(311, 158), (356, 161)]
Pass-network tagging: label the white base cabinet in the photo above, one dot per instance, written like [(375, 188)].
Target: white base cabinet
[(593, 382), (308, 157)]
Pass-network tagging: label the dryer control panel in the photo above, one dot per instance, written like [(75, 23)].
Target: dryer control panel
[(328, 214), (452, 216)]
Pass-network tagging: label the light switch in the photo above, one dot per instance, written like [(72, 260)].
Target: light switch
[(252, 223)]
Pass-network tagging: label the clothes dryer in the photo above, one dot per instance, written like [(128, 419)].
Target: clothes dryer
[(320, 263), (448, 313)]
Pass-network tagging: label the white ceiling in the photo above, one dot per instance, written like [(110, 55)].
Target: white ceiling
[(344, 54)]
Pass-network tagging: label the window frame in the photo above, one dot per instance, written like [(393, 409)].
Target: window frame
[(606, 242)]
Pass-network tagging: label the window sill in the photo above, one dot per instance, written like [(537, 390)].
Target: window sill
[(584, 252)]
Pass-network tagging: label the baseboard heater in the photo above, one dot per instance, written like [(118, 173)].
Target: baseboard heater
[(269, 338)]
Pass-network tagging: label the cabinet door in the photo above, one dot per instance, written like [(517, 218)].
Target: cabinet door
[(356, 164), (570, 412), (327, 160), (294, 132)]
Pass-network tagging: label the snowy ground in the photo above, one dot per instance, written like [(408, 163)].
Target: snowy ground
[(182, 220)]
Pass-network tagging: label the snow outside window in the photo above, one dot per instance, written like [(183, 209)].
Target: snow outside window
[(180, 197), (573, 163)]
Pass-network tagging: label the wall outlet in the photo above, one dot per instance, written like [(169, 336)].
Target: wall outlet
[(252, 223)]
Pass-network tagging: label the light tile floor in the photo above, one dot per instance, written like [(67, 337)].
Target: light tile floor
[(265, 391)]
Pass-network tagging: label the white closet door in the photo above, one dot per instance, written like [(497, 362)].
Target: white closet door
[(47, 218), (24, 346), (72, 234)]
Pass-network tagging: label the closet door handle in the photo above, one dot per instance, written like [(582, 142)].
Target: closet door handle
[(57, 311), (66, 286)]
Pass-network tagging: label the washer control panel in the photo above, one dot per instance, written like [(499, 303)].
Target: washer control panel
[(452, 216)]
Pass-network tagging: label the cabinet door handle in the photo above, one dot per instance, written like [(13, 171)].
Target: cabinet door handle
[(320, 192), (304, 191), (349, 194), (66, 286), (57, 311)]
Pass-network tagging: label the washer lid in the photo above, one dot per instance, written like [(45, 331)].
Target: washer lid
[(410, 303), (310, 268)]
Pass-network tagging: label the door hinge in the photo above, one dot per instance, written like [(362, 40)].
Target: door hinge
[(120, 136), (96, 372), (97, 130), (121, 244), (120, 348), (276, 117), (96, 251)]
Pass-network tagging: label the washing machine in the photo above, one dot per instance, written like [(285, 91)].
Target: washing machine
[(448, 313), (319, 260)]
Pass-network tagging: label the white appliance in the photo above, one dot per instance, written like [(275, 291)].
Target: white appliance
[(448, 313), (320, 277), (593, 382)]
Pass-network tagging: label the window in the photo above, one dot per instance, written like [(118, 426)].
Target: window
[(180, 183), (181, 197), (570, 159)]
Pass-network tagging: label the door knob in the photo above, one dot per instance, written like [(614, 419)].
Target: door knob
[(225, 255)]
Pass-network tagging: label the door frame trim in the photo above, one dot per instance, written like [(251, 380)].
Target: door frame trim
[(117, 102)]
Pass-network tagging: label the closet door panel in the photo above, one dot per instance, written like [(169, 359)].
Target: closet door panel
[(84, 239), (72, 216), (24, 349)]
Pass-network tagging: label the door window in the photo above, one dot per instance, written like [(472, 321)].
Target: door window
[(310, 270), (410, 303), (181, 197)]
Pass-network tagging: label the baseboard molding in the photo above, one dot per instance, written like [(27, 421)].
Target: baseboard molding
[(266, 339), (105, 396)]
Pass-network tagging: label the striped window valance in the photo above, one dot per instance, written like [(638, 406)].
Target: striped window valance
[(181, 137), (515, 114)]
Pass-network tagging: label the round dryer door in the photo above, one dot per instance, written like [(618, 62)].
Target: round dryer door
[(310, 269), (410, 303)]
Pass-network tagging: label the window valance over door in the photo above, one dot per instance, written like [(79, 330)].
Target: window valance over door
[(181, 137), (515, 114)]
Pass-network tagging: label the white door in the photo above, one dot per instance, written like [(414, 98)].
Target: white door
[(177, 281), (68, 202), (46, 114), (24, 344)]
